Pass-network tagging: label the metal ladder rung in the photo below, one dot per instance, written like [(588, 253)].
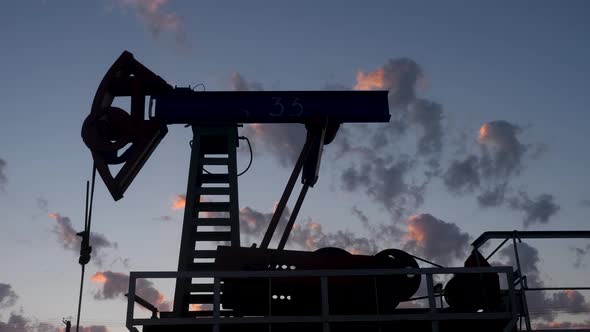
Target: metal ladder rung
[(200, 298), (212, 236), (213, 206), (202, 288), (213, 222), (215, 161), (201, 266), (205, 253), (215, 178), (214, 191)]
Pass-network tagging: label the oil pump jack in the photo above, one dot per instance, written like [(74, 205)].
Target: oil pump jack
[(215, 117), (258, 288)]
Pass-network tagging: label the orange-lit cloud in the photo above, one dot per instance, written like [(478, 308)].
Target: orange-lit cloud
[(435, 239), (99, 278), (415, 231), (373, 80), (179, 202), (115, 285), (315, 226), (501, 134), (483, 133)]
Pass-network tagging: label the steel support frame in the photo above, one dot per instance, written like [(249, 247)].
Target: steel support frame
[(187, 244)]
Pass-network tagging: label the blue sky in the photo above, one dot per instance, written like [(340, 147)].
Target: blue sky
[(524, 64)]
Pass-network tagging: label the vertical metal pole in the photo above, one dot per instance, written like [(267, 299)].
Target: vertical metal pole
[(523, 286), (130, 301), (269, 302), (514, 313), (80, 298), (232, 171), (325, 303), (527, 318), (216, 301), (431, 300)]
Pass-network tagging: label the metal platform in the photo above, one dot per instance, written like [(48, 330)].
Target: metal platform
[(433, 317)]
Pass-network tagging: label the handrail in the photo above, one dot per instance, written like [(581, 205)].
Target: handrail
[(324, 317)]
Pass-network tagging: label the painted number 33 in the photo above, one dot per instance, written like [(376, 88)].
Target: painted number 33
[(295, 108)]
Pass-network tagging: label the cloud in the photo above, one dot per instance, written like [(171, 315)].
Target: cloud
[(157, 20), (253, 223), (179, 202), (239, 83), (462, 176), (400, 76), (386, 182), (308, 235), (435, 239), (92, 328), (116, 285), (492, 197), (66, 236), (20, 323), (428, 115), (502, 152), (585, 202), (283, 141), (360, 215), (353, 178), (165, 218), (536, 211), (489, 172), (311, 236), (3, 178), (7, 296), (580, 253), (563, 325), (384, 178), (387, 174)]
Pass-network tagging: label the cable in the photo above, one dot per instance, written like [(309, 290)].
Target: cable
[(80, 298), (200, 84), (251, 154), (85, 248)]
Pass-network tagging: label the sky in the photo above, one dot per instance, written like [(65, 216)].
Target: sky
[(488, 132)]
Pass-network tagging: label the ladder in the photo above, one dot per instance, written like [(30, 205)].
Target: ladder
[(211, 214)]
